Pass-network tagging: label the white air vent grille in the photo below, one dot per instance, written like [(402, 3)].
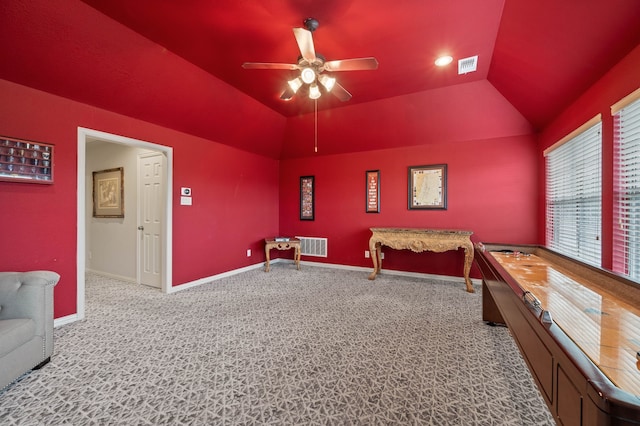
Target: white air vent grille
[(312, 246), (466, 65)]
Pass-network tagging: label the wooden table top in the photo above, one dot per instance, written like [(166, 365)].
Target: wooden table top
[(604, 326), (423, 231), (281, 240)]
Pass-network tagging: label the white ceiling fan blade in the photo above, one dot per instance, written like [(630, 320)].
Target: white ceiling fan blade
[(340, 92), (287, 94), (305, 44), (269, 66), (355, 64)]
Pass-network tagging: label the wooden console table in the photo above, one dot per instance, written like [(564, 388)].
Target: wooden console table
[(419, 240), (291, 243)]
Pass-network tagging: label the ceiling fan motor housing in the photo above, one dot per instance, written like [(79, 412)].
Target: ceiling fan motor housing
[(311, 24)]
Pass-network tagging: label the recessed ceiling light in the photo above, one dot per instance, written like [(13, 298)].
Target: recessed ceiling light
[(443, 60)]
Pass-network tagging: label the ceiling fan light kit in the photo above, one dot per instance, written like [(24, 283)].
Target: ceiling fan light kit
[(308, 75), (314, 91), (295, 84), (327, 82)]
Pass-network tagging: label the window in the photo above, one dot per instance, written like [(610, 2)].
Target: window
[(574, 194), (626, 180)]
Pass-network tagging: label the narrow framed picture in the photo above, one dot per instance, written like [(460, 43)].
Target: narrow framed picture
[(428, 187), (108, 193), (307, 198), (373, 191)]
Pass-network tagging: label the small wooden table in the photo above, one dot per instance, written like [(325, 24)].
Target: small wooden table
[(277, 243), (419, 240)]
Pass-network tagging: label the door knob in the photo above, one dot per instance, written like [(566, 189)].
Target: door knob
[(140, 228)]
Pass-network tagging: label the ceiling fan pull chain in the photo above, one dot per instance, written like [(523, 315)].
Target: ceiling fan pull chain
[(315, 101)]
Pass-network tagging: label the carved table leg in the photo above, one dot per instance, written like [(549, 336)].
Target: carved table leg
[(296, 255), (266, 252), (468, 259), (374, 252)]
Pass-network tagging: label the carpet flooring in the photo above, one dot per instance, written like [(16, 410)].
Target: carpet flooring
[(319, 346)]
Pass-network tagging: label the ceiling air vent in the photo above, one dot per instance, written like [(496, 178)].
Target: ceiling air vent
[(466, 65)]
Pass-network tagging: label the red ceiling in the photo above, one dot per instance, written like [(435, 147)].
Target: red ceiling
[(219, 36), (540, 55)]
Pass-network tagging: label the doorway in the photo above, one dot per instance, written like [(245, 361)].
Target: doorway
[(86, 136)]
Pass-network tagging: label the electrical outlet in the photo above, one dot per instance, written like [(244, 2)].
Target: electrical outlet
[(381, 255), (248, 252), (366, 254)]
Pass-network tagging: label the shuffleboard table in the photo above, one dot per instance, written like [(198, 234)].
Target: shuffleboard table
[(577, 327)]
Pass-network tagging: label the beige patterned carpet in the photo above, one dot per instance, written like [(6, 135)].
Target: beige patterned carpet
[(319, 346)]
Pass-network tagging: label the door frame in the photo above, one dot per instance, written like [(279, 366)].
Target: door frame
[(85, 136)]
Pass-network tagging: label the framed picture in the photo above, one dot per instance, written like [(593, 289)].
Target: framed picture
[(307, 198), (428, 187), (373, 191), (26, 161), (108, 193)]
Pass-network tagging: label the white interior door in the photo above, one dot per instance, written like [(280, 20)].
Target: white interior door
[(151, 170)]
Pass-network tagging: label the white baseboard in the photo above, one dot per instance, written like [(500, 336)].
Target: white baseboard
[(114, 276), (474, 281), (58, 322), (217, 277)]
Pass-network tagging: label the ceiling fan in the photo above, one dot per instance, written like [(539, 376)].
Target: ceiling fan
[(313, 67)]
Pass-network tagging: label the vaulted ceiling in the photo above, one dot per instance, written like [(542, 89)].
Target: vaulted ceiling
[(539, 55)]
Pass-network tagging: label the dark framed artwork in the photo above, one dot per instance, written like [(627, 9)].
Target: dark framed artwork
[(108, 193), (372, 191), (428, 187), (307, 198)]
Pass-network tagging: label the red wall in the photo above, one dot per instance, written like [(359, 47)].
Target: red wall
[(492, 188), (235, 194), (620, 81), (462, 112)]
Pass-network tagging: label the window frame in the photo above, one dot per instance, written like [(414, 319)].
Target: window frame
[(626, 186), (573, 200)]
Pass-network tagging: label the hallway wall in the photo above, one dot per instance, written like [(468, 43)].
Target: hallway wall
[(111, 242)]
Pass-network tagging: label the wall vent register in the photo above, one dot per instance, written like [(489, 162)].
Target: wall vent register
[(313, 246)]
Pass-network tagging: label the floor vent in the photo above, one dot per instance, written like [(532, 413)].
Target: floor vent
[(311, 246), (466, 65)]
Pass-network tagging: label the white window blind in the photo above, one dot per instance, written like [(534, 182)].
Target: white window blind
[(626, 233), (574, 196)]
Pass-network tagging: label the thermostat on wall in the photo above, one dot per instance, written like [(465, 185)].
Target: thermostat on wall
[(185, 191)]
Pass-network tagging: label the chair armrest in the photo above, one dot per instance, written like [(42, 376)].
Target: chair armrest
[(28, 295)]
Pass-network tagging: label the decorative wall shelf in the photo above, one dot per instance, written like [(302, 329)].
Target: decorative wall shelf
[(25, 161)]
